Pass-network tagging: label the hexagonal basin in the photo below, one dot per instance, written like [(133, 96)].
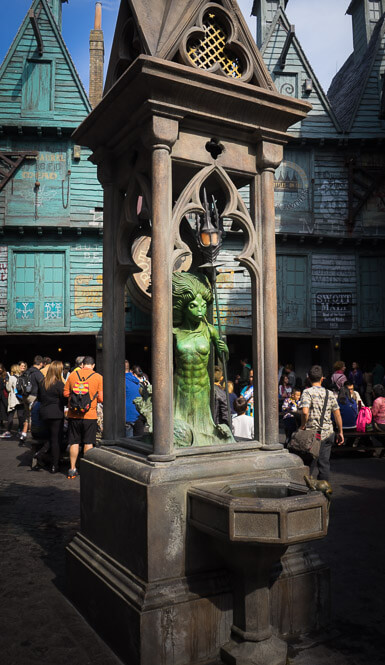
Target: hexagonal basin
[(264, 492)]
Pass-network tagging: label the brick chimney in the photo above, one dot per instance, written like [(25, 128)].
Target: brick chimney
[(96, 58)]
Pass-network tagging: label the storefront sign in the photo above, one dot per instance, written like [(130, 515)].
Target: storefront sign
[(334, 311)]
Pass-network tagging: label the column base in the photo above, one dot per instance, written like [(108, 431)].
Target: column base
[(272, 651)]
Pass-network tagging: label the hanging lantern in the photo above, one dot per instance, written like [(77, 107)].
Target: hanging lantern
[(209, 230)]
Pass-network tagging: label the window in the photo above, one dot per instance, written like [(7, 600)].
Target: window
[(37, 96), (372, 298), (38, 288), (292, 297)]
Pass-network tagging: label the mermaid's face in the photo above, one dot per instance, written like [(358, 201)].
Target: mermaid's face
[(196, 309)]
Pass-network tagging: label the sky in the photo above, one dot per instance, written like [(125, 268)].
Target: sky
[(322, 28)]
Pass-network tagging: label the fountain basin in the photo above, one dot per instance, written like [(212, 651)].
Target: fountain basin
[(268, 512)]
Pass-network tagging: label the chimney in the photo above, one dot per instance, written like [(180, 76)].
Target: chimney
[(56, 9), (96, 58), (265, 11), (365, 14)]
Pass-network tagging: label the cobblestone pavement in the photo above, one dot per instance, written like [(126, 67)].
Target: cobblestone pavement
[(39, 514)]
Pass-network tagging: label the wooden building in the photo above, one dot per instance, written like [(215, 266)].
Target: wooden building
[(51, 213), (329, 196)]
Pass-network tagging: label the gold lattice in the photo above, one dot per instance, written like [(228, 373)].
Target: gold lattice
[(211, 49)]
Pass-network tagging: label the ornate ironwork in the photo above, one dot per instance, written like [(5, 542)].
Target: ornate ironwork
[(211, 49)]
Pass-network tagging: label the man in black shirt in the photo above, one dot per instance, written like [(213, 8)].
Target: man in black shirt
[(35, 376)]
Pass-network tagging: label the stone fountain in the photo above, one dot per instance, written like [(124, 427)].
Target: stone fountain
[(189, 105)]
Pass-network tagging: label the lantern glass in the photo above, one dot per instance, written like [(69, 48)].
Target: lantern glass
[(205, 239)]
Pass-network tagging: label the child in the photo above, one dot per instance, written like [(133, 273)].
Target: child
[(291, 411), (242, 425)]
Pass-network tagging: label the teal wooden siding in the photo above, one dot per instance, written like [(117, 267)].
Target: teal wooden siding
[(46, 91), (68, 192), (292, 293), (86, 279), (372, 293), (37, 291), (290, 81), (37, 97), (366, 122)]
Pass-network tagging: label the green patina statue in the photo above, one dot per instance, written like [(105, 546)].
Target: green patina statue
[(193, 335)]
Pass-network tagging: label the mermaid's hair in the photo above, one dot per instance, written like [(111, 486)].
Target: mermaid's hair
[(185, 287)]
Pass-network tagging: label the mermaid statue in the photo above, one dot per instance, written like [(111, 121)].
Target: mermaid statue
[(193, 422)]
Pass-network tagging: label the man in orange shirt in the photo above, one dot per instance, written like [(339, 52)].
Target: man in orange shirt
[(82, 424)]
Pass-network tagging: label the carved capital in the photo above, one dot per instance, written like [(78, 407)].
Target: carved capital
[(269, 155), (160, 132)]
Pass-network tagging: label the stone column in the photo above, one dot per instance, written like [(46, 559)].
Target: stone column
[(269, 156), (113, 308), (161, 136)]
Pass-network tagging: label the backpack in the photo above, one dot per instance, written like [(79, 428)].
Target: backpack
[(364, 420), (80, 398), (24, 385)]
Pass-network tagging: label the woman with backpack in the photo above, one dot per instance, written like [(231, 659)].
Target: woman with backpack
[(50, 396)]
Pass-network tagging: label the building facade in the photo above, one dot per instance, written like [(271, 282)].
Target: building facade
[(51, 203)]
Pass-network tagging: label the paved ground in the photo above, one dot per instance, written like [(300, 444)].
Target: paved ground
[(39, 514)]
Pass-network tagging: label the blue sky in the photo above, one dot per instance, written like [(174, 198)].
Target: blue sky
[(322, 28)]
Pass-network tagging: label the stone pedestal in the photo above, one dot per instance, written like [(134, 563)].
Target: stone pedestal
[(148, 582)]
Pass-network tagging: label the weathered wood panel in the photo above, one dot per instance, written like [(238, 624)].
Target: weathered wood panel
[(366, 122), (334, 292), (46, 91), (372, 293)]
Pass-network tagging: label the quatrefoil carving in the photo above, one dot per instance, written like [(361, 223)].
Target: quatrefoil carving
[(212, 45)]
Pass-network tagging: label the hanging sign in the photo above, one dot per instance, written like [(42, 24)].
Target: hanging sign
[(334, 311)]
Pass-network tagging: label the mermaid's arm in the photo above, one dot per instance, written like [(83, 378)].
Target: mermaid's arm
[(219, 344)]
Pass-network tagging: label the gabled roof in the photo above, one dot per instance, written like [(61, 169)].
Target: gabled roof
[(160, 26), (348, 85), (24, 46), (318, 97)]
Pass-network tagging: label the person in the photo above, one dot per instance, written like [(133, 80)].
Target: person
[(35, 376), (291, 410), (46, 363), (82, 426), (126, 366), (78, 363), (288, 370), (355, 375), (193, 335), (66, 371), (242, 424), (284, 388), (248, 394), (378, 408), (51, 398), (280, 371), (3, 394), (232, 396), (244, 375), (14, 404), (348, 408), (312, 402), (338, 377), (378, 374), (221, 415), (134, 421), (22, 366), (354, 394)]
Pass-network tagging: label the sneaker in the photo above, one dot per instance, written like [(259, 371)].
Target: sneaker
[(72, 473), (6, 435)]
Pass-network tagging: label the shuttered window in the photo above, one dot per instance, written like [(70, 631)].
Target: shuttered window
[(292, 293), (372, 293), (37, 291), (37, 94)]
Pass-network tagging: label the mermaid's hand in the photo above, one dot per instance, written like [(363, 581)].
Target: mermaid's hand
[(222, 348)]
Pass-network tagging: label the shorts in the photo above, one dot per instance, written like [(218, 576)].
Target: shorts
[(82, 431)]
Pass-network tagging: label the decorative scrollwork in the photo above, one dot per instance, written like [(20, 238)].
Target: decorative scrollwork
[(287, 89)]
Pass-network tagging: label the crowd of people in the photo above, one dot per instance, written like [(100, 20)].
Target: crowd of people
[(63, 407), (57, 405)]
